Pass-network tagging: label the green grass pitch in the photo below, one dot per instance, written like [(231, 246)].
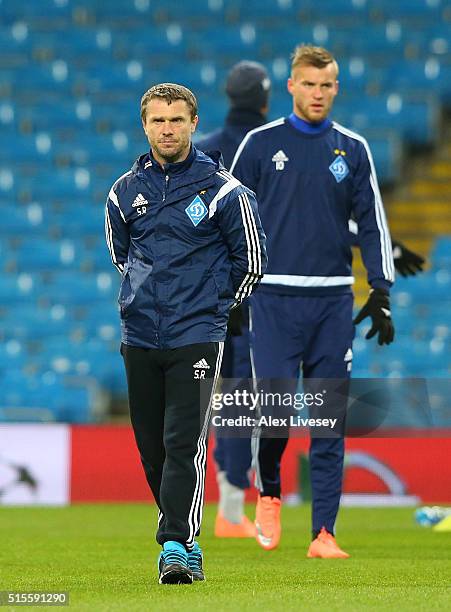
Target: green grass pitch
[(105, 556)]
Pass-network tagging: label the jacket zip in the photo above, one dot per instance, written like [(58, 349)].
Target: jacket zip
[(166, 181), (157, 305)]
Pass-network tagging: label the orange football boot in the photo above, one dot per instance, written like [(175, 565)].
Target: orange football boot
[(267, 522), (227, 529), (324, 546)]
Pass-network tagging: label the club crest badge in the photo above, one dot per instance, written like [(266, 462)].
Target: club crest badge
[(196, 211), (339, 169)]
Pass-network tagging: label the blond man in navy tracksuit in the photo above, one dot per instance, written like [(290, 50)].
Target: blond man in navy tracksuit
[(311, 175)]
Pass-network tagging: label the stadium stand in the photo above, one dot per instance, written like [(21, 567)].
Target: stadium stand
[(71, 76)]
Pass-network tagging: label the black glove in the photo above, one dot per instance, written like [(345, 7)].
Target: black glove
[(235, 324), (378, 308), (407, 263)]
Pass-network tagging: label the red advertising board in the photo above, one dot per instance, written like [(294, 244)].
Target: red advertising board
[(105, 466)]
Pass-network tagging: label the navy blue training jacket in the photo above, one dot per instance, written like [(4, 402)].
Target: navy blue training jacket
[(189, 244), (308, 186)]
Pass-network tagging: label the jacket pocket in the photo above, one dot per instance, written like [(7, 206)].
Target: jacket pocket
[(193, 293), (135, 274), (224, 284)]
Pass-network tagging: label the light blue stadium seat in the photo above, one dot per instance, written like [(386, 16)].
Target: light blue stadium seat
[(101, 324), (407, 358), (75, 407), (435, 310), (66, 288), (54, 76), (410, 325), (203, 77), (356, 74), (111, 372), (23, 221), (66, 184), (97, 259), (278, 39), (28, 322), (236, 41), (8, 116), (43, 397), (13, 354), (92, 358), (113, 77), (88, 220), (40, 254), (193, 12), (361, 354), (61, 347), (121, 114), (116, 11), (15, 41), (44, 8), (24, 398), (420, 358), (432, 75), (428, 287), (335, 9), (416, 120), (168, 38), (429, 41), (210, 118), (77, 44), (48, 116), (266, 9), (386, 149), (21, 288), (28, 149), (87, 147), (381, 41), (425, 12), (13, 54), (441, 253)]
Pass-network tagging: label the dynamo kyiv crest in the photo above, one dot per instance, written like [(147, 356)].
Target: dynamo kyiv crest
[(196, 211), (339, 169)]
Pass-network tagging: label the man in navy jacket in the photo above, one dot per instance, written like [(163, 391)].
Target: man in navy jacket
[(311, 176), (187, 240)]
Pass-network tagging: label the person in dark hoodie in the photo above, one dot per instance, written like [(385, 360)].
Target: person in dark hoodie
[(248, 88), (188, 242)]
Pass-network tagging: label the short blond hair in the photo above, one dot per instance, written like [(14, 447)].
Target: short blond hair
[(309, 55), (169, 92)]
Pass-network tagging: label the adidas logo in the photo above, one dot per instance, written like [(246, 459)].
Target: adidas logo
[(279, 157), (140, 200), (201, 365)]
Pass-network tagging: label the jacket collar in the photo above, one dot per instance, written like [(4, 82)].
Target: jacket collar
[(196, 167), (170, 168)]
